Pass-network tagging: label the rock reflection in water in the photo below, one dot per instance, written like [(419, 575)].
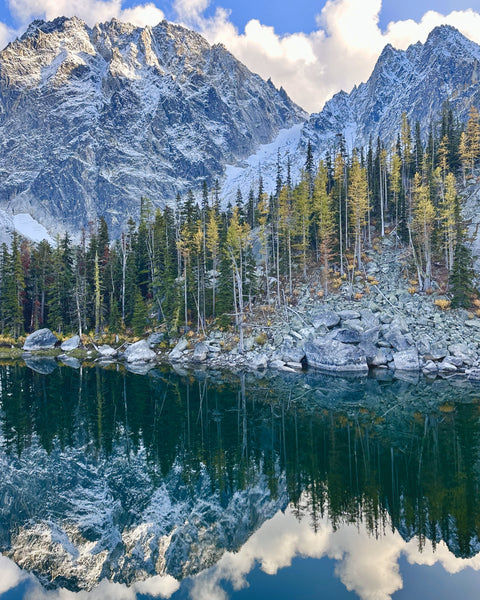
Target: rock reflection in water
[(124, 477)]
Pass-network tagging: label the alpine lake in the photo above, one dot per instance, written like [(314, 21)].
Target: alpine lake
[(207, 485)]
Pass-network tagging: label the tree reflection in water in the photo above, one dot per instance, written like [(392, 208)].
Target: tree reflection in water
[(390, 458)]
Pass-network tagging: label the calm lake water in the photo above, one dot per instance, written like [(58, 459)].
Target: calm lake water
[(207, 486)]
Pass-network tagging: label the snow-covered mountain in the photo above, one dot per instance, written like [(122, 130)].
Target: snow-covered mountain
[(416, 81), (91, 120)]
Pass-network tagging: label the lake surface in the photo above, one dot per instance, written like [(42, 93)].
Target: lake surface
[(210, 486)]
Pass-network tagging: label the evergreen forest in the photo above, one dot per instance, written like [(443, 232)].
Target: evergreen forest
[(199, 262)]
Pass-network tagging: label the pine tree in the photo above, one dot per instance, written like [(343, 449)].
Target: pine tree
[(464, 155), (139, 318), (322, 207), (213, 239), (448, 214), (302, 212), (461, 277), (423, 223), (339, 176), (473, 136), (236, 245)]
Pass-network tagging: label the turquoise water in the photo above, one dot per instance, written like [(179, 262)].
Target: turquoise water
[(208, 485)]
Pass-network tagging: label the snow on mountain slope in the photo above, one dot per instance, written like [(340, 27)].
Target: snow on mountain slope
[(416, 81), (261, 164), (25, 225), (91, 120)]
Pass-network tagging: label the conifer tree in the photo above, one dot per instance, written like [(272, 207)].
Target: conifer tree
[(285, 224), (324, 220), (338, 175), (449, 219), (423, 222), (139, 318), (464, 155), (461, 277), (236, 244), (213, 248), (473, 136), (358, 200), (302, 211)]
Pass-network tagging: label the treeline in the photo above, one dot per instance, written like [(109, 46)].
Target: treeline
[(197, 262)]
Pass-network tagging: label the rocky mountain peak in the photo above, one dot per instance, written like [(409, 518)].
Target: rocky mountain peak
[(117, 112), (416, 81)]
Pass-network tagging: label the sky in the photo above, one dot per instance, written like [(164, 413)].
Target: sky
[(367, 564), (312, 48)]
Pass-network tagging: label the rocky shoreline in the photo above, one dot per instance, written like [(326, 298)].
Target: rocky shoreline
[(391, 328), (346, 341)]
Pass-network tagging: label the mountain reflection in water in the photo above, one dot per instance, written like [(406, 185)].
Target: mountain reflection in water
[(127, 485)]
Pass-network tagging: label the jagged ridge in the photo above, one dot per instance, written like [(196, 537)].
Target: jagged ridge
[(93, 119), (416, 81)]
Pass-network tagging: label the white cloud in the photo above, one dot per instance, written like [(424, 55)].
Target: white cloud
[(145, 14), (11, 574), (160, 586), (190, 11), (91, 11), (365, 563), (339, 54)]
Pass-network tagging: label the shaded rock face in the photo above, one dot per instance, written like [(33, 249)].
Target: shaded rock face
[(118, 112), (406, 360), (42, 339), (332, 355), (201, 352)]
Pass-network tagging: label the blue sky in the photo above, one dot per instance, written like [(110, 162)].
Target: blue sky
[(311, 48)]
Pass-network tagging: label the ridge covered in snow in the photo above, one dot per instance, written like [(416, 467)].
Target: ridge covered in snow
[(417, 81), (93, 119)]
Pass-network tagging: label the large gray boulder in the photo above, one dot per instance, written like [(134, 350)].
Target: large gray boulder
[(106, 351), (325, 317), (406, 360), (289, 353), (177, 352), (347, 336), (200, 352), (395, 338), (42, 339), (256, 361), (71, 344), (139, 352), (332, 355), (347, 315), (369, 319)]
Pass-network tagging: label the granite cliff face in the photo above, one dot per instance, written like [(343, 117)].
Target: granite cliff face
[(91, 120)]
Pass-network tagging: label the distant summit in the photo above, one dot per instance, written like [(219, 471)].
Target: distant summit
[(416, 81)]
